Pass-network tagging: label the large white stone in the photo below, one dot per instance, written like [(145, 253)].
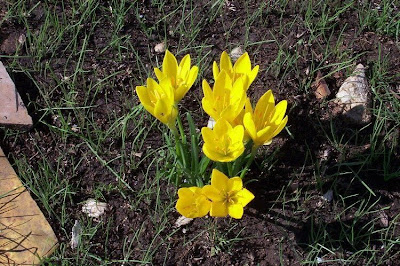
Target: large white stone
[(12, 109), (353, 97)]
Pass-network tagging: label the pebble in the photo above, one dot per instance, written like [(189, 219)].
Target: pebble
[(94, 208), (353, 97), (159, 48), (182, 220), (321, 88), (328, 196), (236, 53)]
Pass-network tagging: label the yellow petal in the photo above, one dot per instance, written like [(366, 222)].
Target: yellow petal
[(143, 95), (213, 193), (209, 108), (280, 110), (211, 153), (237, 134), (160, 76), (235, 184), (208, 135), (225, 62), (185, 192), (203, 207), (252, 75), (218, 209), (264, 108), (207, 90), (215, 70), (184, 66), (219, 180), (170, 65), (192, 76), (221, 127), (235, 211), (244, 196), (243, 64), (248, 123), (280, 127)]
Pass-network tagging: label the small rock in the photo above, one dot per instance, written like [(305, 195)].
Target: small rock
[(182, 221), (94, 208), (10, 44), (328, 196), (159, 48), (236, 53), (76, 235), (383, 219), (353, 97), (321, 88), (211, 123)]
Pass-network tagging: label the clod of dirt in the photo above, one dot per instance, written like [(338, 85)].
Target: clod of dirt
[(353, 97), (182, 221), (94, 208), (10, 44), (76, 235), (236, 53), (321, 88), (159, 48)]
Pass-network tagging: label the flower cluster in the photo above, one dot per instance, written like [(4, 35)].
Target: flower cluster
[(238, 131), (224, 196)]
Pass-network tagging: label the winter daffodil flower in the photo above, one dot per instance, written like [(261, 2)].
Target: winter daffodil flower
[(158, 100), (227, 195), (266, 121), (182, 76), (242, 67), (223, 143), (192, 203), (226, 99)]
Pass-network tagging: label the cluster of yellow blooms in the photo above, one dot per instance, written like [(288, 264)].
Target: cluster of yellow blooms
[(236, 124)]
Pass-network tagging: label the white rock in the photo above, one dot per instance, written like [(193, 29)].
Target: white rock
[(328, 196), (353, 97), (182, 221), (236, 53), (159, 48), (76, 235), (94, 208), (211, 123)]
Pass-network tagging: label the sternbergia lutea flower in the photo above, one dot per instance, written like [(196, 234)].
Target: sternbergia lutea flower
[(223, 143), (266, 121), (241, 68), (182, 76), (226, 99), (228, 195), (192, 203), (158, 100)]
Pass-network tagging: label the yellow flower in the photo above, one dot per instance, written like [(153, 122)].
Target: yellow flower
[(158, 100), (182, 76), (192, 203), (242, 68), (223, 143), (266, 121), (227, 98), (227, 195)]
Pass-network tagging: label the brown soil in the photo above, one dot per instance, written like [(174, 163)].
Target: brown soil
[(274, 231)]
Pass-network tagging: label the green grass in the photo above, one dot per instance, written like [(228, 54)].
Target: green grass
[(92, 79)]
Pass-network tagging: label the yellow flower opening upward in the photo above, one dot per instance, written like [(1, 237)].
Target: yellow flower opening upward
[(266, 121), (227, 195), (242, 68), (223, 143), (226, 99), (192, 203), (158, 100), (182, 76)]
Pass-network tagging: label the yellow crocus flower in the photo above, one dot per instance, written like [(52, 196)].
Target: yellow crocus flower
[(223, 143), (227, 195), (266, 121), (241, 68), (226, 99), (158, 100), (182, 76), (192, 203)]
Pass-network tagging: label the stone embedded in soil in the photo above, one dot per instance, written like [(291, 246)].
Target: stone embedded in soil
[(10, 44), (353, 97), (94, 208), (236, 53), (12, 109), (159, 48), (26, 236), (321, 88)]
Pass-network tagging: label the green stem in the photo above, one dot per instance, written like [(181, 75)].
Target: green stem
[(251, 159)]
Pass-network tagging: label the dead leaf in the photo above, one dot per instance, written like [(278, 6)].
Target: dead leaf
[(322, 91)]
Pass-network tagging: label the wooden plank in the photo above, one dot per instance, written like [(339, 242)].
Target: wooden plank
[(25, 236)]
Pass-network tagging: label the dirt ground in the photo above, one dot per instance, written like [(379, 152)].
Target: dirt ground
[(277, 225)]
